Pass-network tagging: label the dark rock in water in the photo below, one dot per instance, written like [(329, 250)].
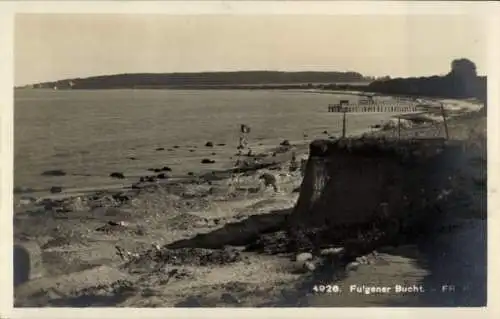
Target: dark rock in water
[(376, 126), (176, 146), (151, 169), (20, 190), (55, 172), (221, 144), (209, 144), (55, 189), (166, 169), (132, 158), (136, 186), (191, 151), (207, 161), (190, 173), (162, 176), (214, 153), (157, 170), (325, 132), (160, 149), (141, 179), (151, 179), (285, 143), (117, 175), (274, 154)]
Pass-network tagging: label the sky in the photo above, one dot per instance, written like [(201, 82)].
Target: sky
[(50, 47)]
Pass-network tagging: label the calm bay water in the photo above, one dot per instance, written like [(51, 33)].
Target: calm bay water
[(90, 134)]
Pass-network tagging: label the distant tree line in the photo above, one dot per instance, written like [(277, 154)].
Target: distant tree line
[(206, 80), (461, 82)]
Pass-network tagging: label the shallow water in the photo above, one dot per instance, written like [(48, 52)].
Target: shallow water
[(90, 134)]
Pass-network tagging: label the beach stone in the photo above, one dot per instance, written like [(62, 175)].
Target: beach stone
[(166, 169), (27, 200), (302, 257), (55, 189), (117, 175), (21, 189), (309, 266), (331, 251), (352, 266), (55, 172), (209, 144), (229, 298), (160, 149), (207, 161), (162, 176), (27, 262), (75, 204), (285, 143)]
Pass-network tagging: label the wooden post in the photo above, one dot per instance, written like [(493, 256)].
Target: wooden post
[(344, 122), (444, 121), (399, 127)]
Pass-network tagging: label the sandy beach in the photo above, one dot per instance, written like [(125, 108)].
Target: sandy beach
[(117, 246)]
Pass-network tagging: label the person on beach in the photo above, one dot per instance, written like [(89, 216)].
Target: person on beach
[(269, 180), (294, 164), (303, 163)]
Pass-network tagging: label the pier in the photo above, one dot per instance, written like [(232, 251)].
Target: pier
[(376, 107)]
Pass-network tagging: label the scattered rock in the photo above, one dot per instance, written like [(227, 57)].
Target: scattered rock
[(27, 200), (192, 151), (331, 251), (112, 225), (309, 266), (142, 179), (325, 132), (229, 298), (214, 153), (166, 169), (190, 173), (137, 186), (362, 260), (209, 144), (176, 146), (117, 175), (207, 161), (352, 266), (55, 189), (285, 143), (221, 144), (162, 176), (302, 257), (160, 149), (56, 172), (20, 190), (132, 158)]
